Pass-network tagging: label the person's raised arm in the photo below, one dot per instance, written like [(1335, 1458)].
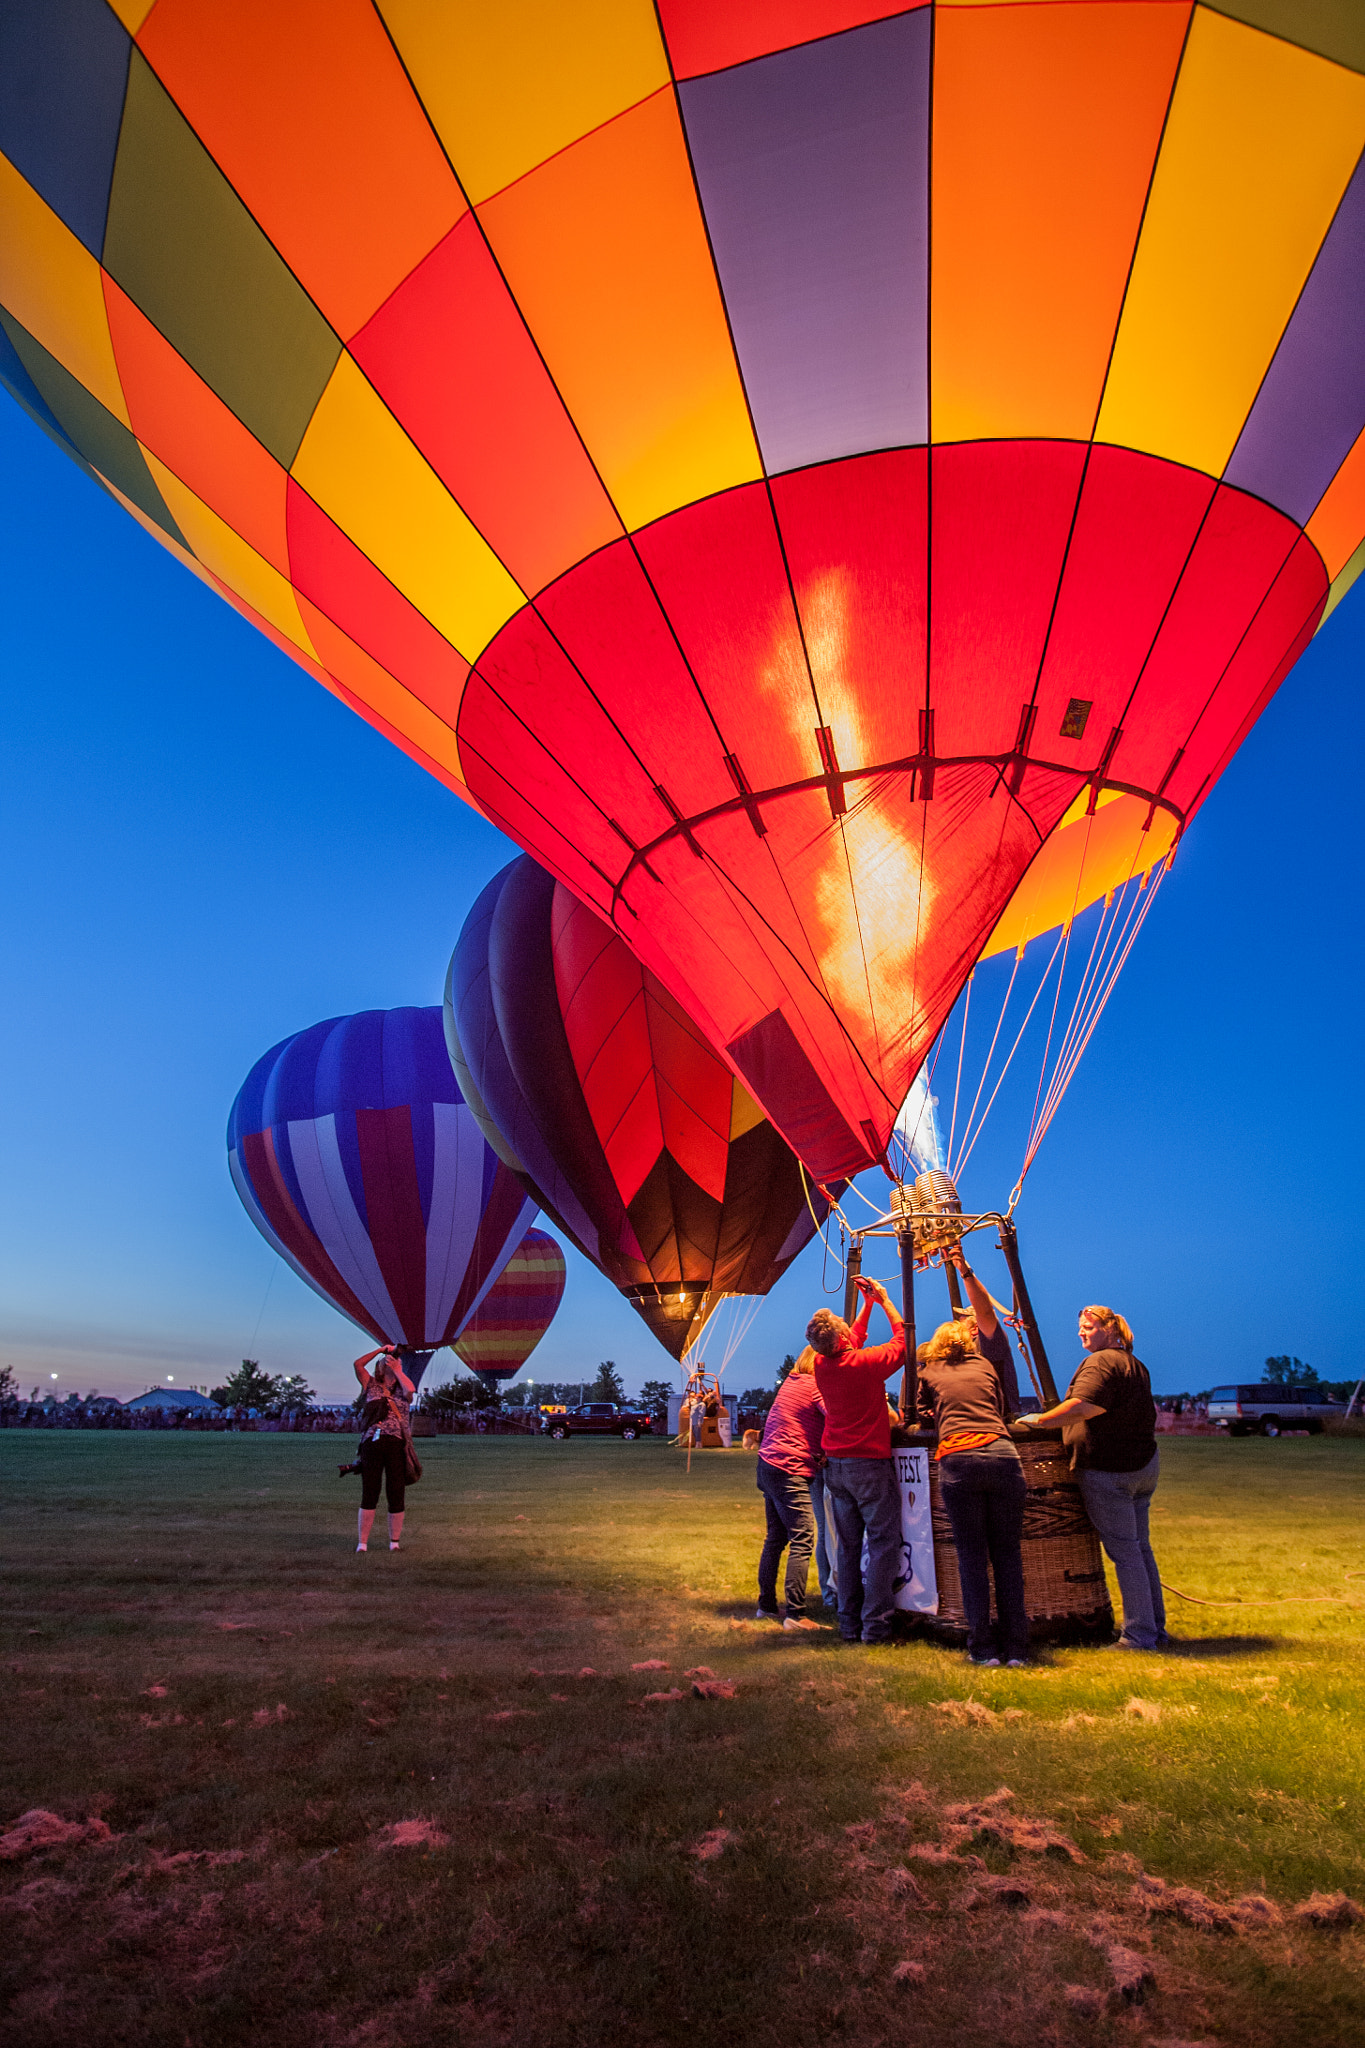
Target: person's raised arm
[(404, 1382), (983, 1308), (872, 1290), (359, 1368)]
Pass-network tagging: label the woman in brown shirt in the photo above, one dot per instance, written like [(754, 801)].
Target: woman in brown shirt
[(981, 1485)]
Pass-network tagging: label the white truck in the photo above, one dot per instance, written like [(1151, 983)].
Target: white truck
[(1268, 1410)]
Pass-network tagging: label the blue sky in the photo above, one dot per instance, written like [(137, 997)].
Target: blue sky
[(203, 851)]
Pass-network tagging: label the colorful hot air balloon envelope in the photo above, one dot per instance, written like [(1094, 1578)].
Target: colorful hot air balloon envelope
[(785, 464), (356, 1157), (627, 1128), (516, 1311)]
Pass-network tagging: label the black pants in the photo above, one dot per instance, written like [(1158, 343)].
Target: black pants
[(984, 1493), (387, 1458)]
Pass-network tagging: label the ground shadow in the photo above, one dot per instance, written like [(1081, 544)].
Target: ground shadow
[(1221, 1646)]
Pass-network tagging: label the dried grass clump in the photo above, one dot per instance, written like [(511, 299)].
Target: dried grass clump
[(650, 1664), (1328, 1909), (713, 1688), (712, 1845), (1083, 2000), (38, 1829), (1142, 1710), (651, 1698), (988, 1819), (1181, 1902), (908, 1973), (903, 1885), (1254, 1912), (967, 1713), (1046, 1919), (1131, 1972), (411, 1834)]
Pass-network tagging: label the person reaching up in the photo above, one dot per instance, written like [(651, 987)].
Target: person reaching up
[(860, 1477)]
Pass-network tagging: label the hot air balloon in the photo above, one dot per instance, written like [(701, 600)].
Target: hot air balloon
[(833, 483), (595, 1087), (356, 1158), (516, 1311)]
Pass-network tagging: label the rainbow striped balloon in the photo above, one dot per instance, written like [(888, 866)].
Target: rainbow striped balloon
[(517, 1310)]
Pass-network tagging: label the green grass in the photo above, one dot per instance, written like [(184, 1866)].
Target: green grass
[(565, 1903)]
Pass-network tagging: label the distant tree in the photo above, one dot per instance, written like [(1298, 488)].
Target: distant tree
[(248, 1387), (464, 1391), (656, 1395), (785, 1367), (757, 1397), (292, 1391), (608, 1386), (8, 1390), (1290, 1372)]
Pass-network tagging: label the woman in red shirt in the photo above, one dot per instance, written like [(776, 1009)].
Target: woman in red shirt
[(788, 1456)]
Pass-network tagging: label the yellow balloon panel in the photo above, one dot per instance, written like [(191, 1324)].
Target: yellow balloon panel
[(507, 86), (1082, 860), (53, 286), (1261, 141), (360, 467)]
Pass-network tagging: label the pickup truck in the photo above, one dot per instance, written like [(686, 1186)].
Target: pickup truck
[(599, 1418), (1266, 1411)]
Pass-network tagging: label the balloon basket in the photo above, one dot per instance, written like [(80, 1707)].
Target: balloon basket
[(1064, 1583)]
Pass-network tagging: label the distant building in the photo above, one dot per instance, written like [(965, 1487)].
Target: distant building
[(171, 1397)]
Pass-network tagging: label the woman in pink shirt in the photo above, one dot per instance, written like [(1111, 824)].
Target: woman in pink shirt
[(788, 1457)]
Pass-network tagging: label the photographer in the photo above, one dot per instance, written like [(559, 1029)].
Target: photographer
[(384, 1434)]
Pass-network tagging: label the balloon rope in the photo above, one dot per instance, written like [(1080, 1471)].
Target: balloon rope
[(973, 1131), (833, 1210), (1095, 982), (985, 1071), (1062, 1079), (251, 1340), (1109, 936), (961, 1050)]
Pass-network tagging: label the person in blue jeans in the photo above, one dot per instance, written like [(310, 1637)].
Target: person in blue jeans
[(788, 1458), (860, 1478), (1109, 1421), (981, 1480)]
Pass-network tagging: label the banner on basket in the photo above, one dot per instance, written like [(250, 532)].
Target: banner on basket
[(916, 1580)]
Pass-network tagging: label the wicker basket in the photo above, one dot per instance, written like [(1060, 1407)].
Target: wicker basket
[(1064, 1584)]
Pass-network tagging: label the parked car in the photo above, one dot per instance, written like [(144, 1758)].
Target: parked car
[(600, 1418), (1243, 1411)]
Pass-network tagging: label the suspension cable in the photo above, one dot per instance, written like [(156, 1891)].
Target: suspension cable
[(1145, 897), (961, 1050)]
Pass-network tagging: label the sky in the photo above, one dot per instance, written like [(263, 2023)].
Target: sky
[(203, 852)]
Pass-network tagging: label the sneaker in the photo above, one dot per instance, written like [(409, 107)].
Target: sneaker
[(344, 1470), (1016, 1663), (395, 1546), (361, 1548), (800, 1621), (1124, 1643), (990, 1663), (767, 1614)]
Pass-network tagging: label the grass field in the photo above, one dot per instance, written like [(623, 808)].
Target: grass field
[(379, 1800)]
